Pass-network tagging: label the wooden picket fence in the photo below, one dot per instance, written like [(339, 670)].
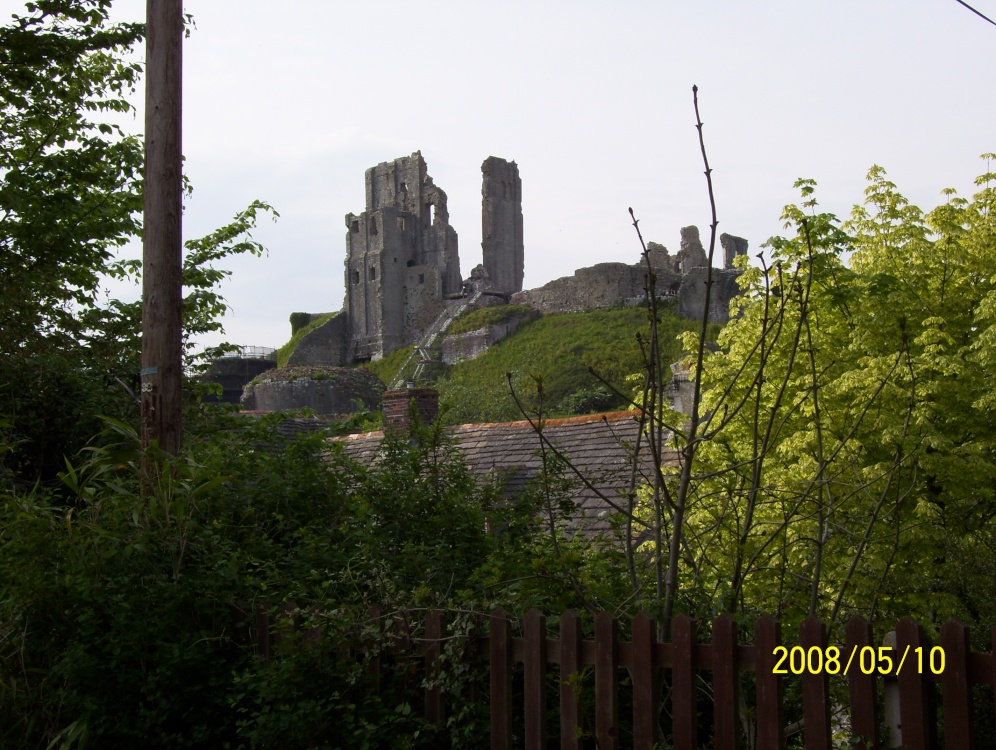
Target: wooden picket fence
[(686, 663)]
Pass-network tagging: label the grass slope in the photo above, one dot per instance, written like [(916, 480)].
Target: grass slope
[(284, 352), (556, 350)]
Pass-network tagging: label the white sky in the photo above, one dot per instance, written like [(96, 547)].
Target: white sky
[(291, 102)]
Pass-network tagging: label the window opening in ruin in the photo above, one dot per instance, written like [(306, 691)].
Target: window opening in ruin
[(401, 223), (404, 187), (373, 226), (373, 273), (410, 263), (421, 278), (356, 277), (432, 214), (355, 227)]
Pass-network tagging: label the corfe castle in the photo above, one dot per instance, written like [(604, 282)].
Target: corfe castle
[(404, 285), (403, 265)]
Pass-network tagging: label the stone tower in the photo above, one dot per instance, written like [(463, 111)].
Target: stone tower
[(501, 224), (402, 259), (732, 247)]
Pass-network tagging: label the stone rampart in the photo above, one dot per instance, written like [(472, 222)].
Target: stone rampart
[(598, 286), (472, 344), (691, 296), (327, 344), (326, 390)]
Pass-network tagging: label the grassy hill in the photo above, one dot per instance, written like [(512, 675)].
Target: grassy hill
[(556, 350)]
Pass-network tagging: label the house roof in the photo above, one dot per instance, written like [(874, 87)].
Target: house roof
[(599, 446)]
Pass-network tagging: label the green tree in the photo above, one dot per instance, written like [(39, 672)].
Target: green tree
[(847, 457), (70, 197), (71, 179), (70, 194)]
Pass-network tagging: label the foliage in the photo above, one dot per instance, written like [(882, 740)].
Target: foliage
[(119, 616), (845, 442), (70, 196), (71, 180), (285, 351), (299, 320), (562, 350)]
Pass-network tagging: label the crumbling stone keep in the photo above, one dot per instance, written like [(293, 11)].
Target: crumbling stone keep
[(732, 247), (403, 267), (501, 224), (691, 254), (402, 259)]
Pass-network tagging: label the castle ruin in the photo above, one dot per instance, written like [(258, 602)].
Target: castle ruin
[(402, 258), (403, 279), (501, 225)]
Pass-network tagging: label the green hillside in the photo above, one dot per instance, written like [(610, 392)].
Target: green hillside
[(558, 349)]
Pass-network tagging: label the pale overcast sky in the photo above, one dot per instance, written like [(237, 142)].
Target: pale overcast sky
[(291, 102)]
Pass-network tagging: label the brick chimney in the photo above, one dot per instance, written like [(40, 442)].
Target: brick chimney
[(401, 406)]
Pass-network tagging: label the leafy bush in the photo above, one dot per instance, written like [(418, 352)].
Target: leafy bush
[(124, 618)]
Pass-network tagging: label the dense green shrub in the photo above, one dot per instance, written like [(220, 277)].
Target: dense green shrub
[(124, 619)]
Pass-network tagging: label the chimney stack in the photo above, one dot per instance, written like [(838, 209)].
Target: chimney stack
[(403, 406)]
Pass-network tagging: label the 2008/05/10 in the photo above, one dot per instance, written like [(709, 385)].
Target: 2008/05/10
[(817, 660)]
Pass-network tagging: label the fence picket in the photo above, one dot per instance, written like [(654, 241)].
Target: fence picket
[(861, 686), (373, 660), (770, 724), (643, 671), (535, 680), (815, 685), (683, 682), (606, 682), (263, 635), (919, 724), (956, 692), (435, 627), (571, 664), (725, 683), (500, 648)]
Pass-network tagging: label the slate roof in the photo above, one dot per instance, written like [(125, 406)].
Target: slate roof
[(600, 446)]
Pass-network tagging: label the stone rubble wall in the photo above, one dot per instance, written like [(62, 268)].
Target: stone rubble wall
[(326, 390), (691, 296), (472, 344), (325, 345)]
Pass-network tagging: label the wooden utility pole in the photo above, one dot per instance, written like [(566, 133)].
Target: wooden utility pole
[(162, 253)]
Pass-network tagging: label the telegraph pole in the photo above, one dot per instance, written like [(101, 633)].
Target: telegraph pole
[(162, 246)]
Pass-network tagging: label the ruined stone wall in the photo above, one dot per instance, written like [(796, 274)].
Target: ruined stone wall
[(402, 258), (600, 286), (611, 284), (325, 345), (603, 285), (691, 254), (472, 344), (326, 390), (501, 224), (733, 247), (691, 297), (422, 297)]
